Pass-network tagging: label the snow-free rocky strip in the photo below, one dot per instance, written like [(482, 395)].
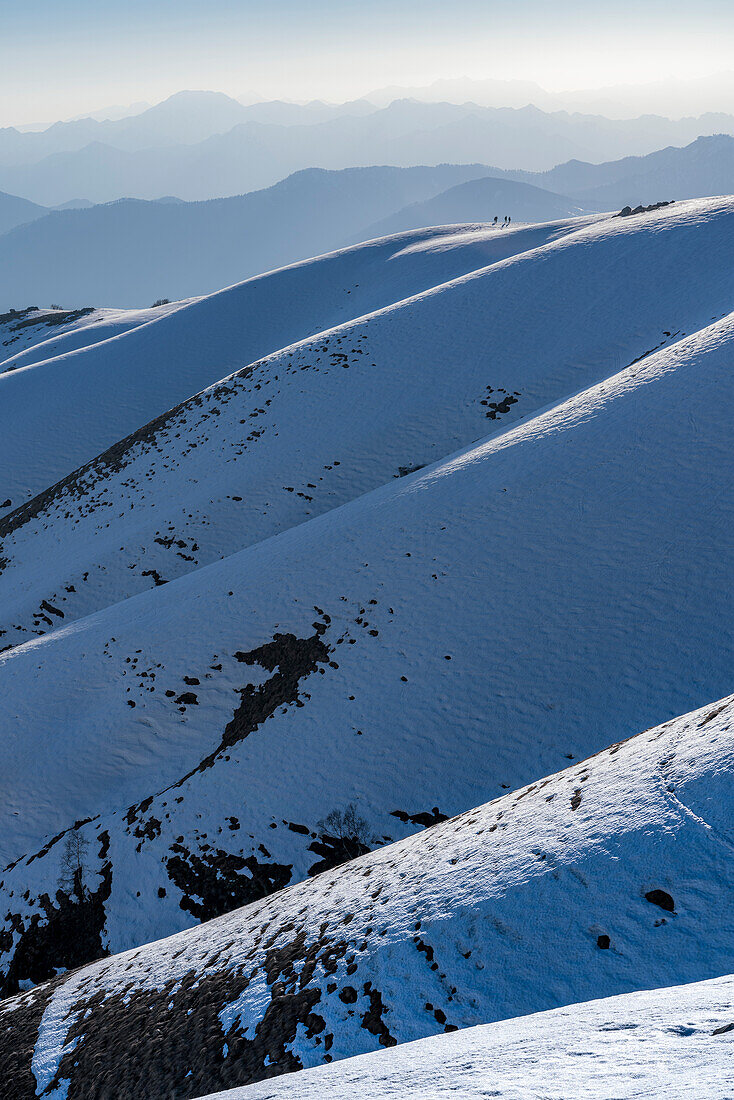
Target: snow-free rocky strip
[(675, 1042), (614, 874)]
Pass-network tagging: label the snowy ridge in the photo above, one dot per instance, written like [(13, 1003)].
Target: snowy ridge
[(553, 894), (327, 419), (47, 334), (675, 1042), (370, 636), (23, 330), (86, 400)]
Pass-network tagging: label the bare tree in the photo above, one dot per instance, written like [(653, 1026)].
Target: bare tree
[(348, 827), (73, 864)]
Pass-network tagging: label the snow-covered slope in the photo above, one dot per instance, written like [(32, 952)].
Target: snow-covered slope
[(461, 517), (460, 630), (319, 423), (614, 875), (675, 1042), (31, 336), (21, 330), (87, 400)]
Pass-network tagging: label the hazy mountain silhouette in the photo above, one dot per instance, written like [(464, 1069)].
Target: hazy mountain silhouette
[(15, 211), (190, 145), (184, 118), (705, 167), (480, 200), (132, 252)]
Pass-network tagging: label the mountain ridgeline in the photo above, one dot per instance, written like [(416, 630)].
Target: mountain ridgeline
[(132, 252)]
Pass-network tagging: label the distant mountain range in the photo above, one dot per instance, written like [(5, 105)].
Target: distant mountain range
[(186, 117), (16, 211), (705, 167), (202, 145), (671, 98), (133, 252)]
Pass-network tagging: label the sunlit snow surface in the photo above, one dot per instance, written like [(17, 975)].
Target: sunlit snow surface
[(658, 1043), (615, 874), (36, 335)]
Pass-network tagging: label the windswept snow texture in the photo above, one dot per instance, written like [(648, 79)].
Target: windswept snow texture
[(675, 1042), (613, 875)]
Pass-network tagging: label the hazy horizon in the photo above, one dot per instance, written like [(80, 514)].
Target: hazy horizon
[(61, 62)]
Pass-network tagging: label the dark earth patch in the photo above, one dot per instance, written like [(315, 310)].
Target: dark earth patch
[(213, 883), (18, 1031), (67, 934), (334, 851), (425, 818), (662, 899), (289, 659), (372, 1019)]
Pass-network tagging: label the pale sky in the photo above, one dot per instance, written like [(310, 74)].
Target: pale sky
[(62, 57)]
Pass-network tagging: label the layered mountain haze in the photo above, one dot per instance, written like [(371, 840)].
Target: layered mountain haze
[(202, 145), (187, 117), (333, 602), (177, 250), (675, 98), (130, 253)]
